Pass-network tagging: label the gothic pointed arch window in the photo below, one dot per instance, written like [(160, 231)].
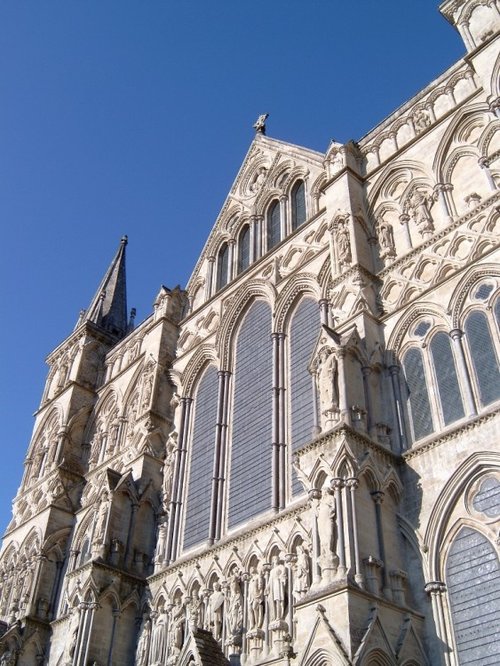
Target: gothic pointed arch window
[(222, 266), (273, 224), (418, 395), (298, 204), (450, 399), (473, 582), (250, 475), (244, 249), (484, 357), (303, 333), (201, 453)]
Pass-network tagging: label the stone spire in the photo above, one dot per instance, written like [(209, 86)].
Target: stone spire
[(108, 308)]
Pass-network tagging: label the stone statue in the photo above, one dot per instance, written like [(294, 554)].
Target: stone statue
[(162, 540), (420, 207), (326, 528), (178, 619), (158, 638), (276, 588), (71, 634), (235, 611), (255, 599), (216, 611), (142, 652), (385, 238), (327, 381), (168, 466), (260, 123), (301, 574), (195, 610), (343, 244), (259, 179)]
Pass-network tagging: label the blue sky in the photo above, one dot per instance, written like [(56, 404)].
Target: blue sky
[(128, 117)]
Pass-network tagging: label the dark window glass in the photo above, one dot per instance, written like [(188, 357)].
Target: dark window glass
[(483, 356), (244, 249), (251, 451), (201, 460), (473, 581), (298, 204), (419, 398), (304, 331), (273, 225), (222, 266), (446, 376)]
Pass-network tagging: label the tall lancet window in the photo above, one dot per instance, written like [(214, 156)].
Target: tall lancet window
[(244, 249), (273, 225), (223, 266), (298, 204), (418, 395), (484, 358), (304, 331), (250, 476), (201, 456), (446, 377)]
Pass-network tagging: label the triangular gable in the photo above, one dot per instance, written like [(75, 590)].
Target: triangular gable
[(409, 645), (324, 634), (201, 649), (263, 158), (374, 638)]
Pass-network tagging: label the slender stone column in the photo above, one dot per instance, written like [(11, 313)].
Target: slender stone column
[(176, 494), (131, 528), (343, 407), (396, 390), (440, 190), (217, 453), (333, 252), (252, 241), (116, 615), (210, 277), (466, 33), (436, 591), (463, 372), (283, 218), (323, 310), (290, 558), (223, 452), (314, 498), (448, 189), (282, 476), (337, 485), (404, 219), (484, 164), (258, 237), (276, 427), (366, 371), (316, 425), (232, 262), (92, 607), (352, 485), (378, 498)]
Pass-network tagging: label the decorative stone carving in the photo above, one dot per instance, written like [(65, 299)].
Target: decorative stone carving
[(260, 124), (300, 574), (343, 244), (276, 589), (176, 633), (385, 239), (258, 181), (168, 467), (327, 385), (421, 120), (195, 610), (419, 205), (142, 652), (216, 611), (158, 637), (255, 599), (328, 535)]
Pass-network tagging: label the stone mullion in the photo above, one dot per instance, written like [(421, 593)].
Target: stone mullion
[(116, 615), (210, 277), (223, 453), (88, 632), (314, 497), (463, 372), (131, 528), (366, 372), (396, 390), (344, 409), (176, 481), (275, 424), (217, 452)]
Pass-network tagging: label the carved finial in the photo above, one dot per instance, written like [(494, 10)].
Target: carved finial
[(260, 123), (124, 240)]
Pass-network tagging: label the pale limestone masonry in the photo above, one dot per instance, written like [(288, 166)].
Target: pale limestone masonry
[(296, 459)]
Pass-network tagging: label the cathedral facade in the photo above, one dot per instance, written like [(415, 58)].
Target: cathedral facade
[(295, 460)]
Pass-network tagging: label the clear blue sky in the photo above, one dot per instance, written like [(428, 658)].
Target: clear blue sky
[(128, 117)]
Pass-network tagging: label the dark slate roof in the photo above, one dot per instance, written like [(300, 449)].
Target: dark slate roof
[(209, 651), (108, 308)]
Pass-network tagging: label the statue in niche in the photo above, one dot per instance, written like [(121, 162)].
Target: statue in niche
[(276, 589), (162, 540), (71, 633), (102, 517), (255, 599), (158, 637), (195, 610), (142, 652), (168, 466), (234, 611), (301, 574), (177, 626), (147, 390), (420, 205), (216, 611), (327, 530), (327, 381), (258, 181), (385, 238), (343, 243)]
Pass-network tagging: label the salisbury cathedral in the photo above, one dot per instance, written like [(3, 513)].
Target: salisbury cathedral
[(294, 460)]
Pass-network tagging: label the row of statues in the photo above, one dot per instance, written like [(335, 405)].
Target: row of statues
[(247, 602)]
